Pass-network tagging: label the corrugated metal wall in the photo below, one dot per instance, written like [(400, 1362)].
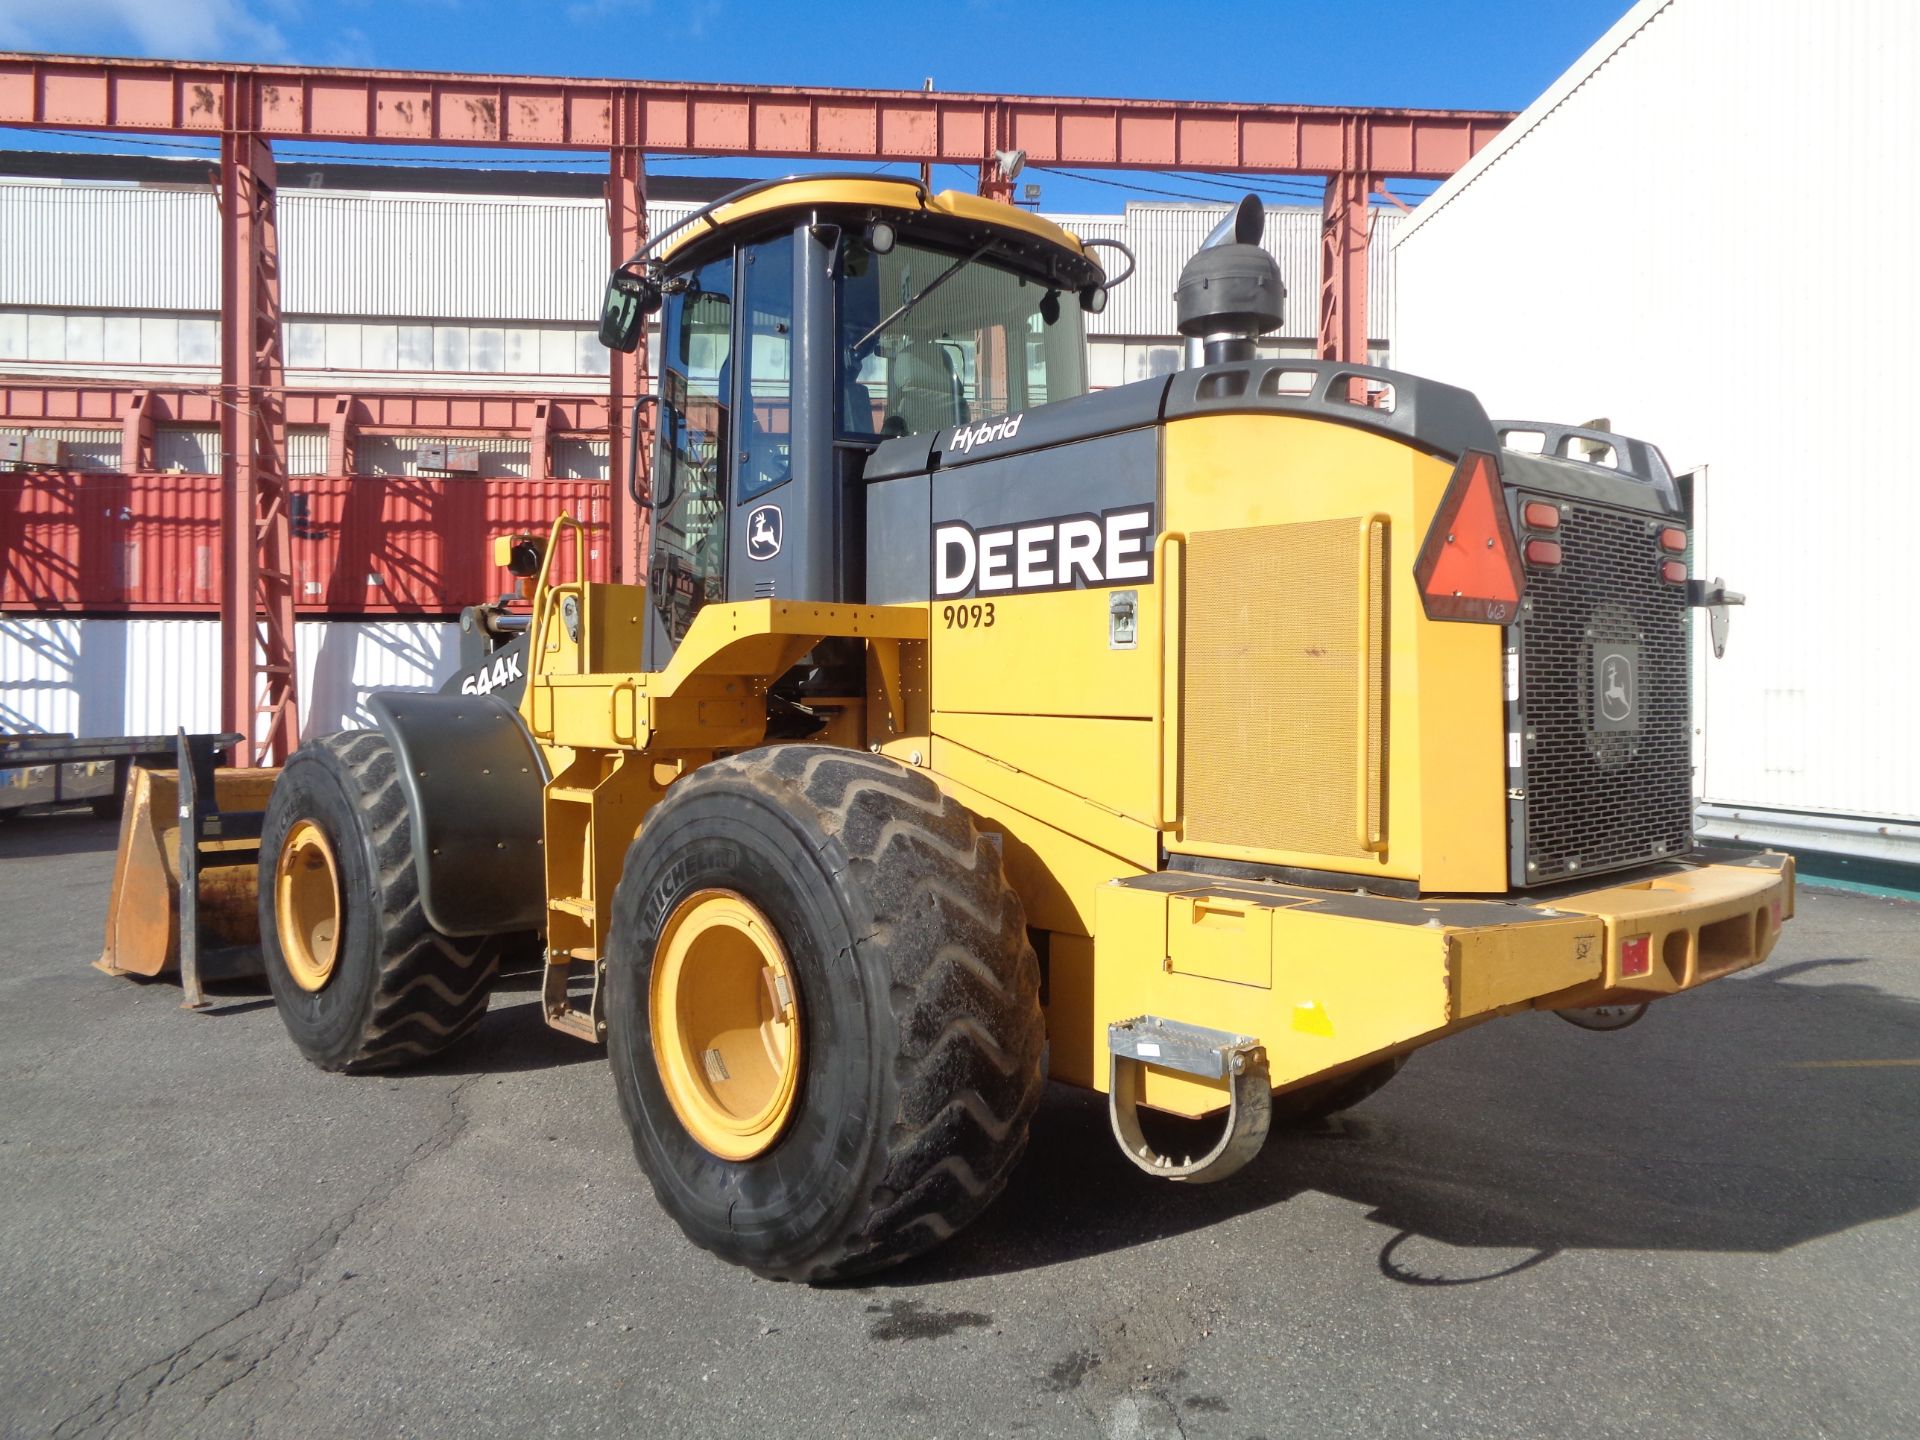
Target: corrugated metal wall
[(1163, 237), (475, 257), (122, 247), (95, 247), (371, 257), (1636, 247), (93, 447), (148, 676)]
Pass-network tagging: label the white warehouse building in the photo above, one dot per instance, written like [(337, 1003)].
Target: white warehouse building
[(1614, 253)]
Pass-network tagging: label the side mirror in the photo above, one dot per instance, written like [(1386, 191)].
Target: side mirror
[(630, 299)]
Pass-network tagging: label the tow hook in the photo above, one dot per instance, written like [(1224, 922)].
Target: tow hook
[(1240, 1060), (1715, 599)]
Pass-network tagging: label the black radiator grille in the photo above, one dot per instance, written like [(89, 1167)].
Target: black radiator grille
[(1607, 781)]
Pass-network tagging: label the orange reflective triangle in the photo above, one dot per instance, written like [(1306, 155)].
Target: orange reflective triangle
[(1469, 567)]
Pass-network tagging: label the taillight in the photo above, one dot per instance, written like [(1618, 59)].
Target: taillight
[(1543, 552), (1673, 539), (1636, 955), (1469, 565), (1674, 572), (1539, 515)]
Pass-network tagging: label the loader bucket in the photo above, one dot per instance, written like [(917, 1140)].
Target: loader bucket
[(143, 910)]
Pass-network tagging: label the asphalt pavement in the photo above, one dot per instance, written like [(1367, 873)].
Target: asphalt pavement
[(1703, 1225)]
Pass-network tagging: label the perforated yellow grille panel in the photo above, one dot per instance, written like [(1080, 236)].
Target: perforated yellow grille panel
[(1282, 735)]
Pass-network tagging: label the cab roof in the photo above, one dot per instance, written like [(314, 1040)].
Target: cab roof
[(899, 199)]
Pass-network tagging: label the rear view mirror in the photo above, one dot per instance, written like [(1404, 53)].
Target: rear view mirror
[(630, 299)]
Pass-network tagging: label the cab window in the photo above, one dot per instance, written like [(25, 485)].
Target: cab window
[(931, 339), (766, 415), (689, 489)]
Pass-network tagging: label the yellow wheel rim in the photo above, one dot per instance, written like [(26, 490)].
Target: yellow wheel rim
[(725, 1013), (306, 893)]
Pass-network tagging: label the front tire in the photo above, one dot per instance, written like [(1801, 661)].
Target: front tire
[(917, 1040), (362, 981)]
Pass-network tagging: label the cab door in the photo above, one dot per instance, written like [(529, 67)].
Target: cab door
[(692, 458)]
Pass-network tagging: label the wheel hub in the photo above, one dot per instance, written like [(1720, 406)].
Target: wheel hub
[(307, 906), (725, 1013)]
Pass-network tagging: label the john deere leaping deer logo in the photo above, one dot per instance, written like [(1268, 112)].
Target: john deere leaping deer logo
[(763, 533), (1616, 687)]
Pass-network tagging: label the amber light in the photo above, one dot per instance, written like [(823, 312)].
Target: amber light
[(1539, 515), (1636, 955), (1674, 572), (1543, 552), (1672, 539)]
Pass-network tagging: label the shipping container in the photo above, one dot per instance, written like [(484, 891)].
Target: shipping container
[(104, 543), (423, 545), (73, 541)]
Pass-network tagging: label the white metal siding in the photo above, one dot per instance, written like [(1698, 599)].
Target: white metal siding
[(100, 247), (146, 677), (124, 247), (407, 255), (1634, 247), (383, 258), (1164, 237)]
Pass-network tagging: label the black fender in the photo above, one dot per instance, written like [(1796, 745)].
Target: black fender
[(473, 780)]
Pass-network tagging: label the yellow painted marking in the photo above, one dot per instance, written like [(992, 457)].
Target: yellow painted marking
[(1847, 1064)]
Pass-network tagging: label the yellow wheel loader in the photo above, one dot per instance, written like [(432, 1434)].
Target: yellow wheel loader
[(1212, 742)]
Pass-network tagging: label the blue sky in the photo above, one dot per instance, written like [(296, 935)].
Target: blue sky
[(1482, 54)]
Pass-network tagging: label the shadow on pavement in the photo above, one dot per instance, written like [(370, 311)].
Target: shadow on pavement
[(1720, 1123)]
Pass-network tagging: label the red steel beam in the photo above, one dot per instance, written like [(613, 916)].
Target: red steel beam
[(856, 126)]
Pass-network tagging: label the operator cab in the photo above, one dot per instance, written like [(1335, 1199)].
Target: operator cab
[(803, 322)]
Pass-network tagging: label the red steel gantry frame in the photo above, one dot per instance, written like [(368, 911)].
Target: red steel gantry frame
[(247, 107)]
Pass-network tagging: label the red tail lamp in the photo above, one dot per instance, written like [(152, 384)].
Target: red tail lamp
[(1673, 539), (1674, 572), (1543, 552), (1539, 515), (1636, 956)]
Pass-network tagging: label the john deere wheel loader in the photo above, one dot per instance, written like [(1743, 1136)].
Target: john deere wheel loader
[(1212, 742)]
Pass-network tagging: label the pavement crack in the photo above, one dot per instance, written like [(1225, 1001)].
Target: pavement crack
[(234, 1340)]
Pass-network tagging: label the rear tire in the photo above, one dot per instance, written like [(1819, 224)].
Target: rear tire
[(921, 1037), (390, 989)]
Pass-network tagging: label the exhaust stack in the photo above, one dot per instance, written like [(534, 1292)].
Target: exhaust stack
[(1230, 292)]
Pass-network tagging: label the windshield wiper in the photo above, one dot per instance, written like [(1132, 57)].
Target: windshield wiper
[(932, 285)]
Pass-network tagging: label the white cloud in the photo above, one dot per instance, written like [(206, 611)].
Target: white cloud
[(195, 29)]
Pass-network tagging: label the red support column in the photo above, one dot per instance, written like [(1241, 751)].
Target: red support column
[(540, 442), (1344, 227), (627, 374), (258, 673), (993, 184), (340, 437), (136, 434)]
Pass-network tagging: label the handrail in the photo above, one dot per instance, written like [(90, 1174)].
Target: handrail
[(1372, 839), (1171, 608)]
